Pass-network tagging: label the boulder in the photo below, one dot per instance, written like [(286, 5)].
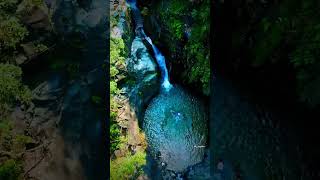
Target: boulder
[(37, 18), (48, 90), (20, 59), (142, 69), (141, 62)]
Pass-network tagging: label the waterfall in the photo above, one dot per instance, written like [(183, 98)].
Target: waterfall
[(162, 64), (165, 83)]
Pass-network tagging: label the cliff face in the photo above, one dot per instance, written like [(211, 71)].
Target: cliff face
[(180, 30), (59, 131)]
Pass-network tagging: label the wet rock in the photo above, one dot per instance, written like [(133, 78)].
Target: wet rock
[(70, 17), (142, 68), (92, 76), (175, 125), (48, 90), (141, 62)]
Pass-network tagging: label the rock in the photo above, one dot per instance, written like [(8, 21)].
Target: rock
[(141, 62), (30, 108), (220, 166), (69, 16), (48, 90), (142, 68), (29, 49), (20, 59), (119, 153), (37, 18), (116, 32), (40, 111), (92, 76), (142, 177)]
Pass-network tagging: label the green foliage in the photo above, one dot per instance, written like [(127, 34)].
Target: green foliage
[(196, 51), (11, 88), (11, 141), (172, 17), (117, 50), (306, 61), (270, 40), (292, 36), (117, 54), (115, 140), (11, 32), (8, 5), (14, 144), (5, 127), (41, 48), (10, 170), (129, 167)]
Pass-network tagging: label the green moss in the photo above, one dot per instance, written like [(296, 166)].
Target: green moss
[(129, 167)]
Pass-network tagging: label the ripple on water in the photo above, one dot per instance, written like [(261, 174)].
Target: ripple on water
[(175, 124)]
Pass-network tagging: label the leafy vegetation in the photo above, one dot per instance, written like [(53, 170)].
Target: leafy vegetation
[(11, 32), (117, 53), (10, 170), (11, 88), (196, 51), (292, 36), (128, 167), (13, 145)]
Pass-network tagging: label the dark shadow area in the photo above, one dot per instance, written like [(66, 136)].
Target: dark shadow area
[(257, 109)]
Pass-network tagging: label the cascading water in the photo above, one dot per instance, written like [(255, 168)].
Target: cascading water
[(165, 83), (162, 64), (175, 121)]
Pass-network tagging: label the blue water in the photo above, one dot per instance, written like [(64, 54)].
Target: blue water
[(165, 83)]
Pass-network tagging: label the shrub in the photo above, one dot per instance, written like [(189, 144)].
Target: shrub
[(196, 51), (11, 88), (8, 5), (10, 170), (117, 53), (127, 167), (11, 32)]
